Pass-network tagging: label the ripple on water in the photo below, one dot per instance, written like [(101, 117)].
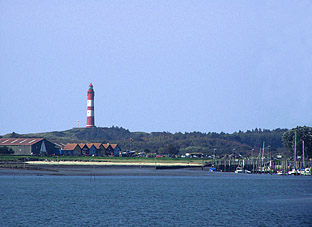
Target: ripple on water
[(155, 201)]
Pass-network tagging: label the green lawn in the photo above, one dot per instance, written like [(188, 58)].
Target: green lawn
[(99, 159)]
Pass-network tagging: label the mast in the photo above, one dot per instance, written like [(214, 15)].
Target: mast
[(262, 163), (295, 152), (259, 161), (303, 153)]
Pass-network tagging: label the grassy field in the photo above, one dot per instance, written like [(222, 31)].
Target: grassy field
[(99, 159)]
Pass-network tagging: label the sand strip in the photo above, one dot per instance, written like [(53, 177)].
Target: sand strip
[(112, 163)]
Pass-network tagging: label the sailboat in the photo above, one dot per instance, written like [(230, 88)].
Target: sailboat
[(294, 171), (304, 171)]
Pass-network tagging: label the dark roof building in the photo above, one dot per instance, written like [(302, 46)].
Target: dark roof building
[(29, 146)]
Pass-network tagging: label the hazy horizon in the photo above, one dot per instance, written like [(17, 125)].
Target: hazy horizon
[(176, 66)]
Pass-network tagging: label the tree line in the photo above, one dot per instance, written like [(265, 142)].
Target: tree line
[(277, 141)]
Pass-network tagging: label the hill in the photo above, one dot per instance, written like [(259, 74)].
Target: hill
[(208, 143), (80, 135)]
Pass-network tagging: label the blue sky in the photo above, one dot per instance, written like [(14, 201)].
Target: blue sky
[(176, 66)]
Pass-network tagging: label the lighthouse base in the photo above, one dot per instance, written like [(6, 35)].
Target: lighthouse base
[(90, 126)]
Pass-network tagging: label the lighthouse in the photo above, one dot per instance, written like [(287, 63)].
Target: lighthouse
[(90, 107)]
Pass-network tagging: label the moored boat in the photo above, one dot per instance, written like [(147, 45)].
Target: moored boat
[(293, 172), (281, 172), (239, 170), (305, 172)]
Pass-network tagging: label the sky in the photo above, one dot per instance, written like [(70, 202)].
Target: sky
[(156, 65)]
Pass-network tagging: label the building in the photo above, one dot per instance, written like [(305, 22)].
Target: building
[(92, 149), (116, 149), (96, 149), (29, 146), (71, 149), (109, 151), (84, 149)]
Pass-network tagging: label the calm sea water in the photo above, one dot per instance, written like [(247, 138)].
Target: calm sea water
[(212, 200)]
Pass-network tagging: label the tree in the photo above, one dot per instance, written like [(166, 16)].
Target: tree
[(303, 133), (171, 150), (147, 151)]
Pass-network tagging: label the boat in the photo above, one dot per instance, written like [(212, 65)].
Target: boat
[(293, 172), (305, 172), (239, 170), (281, 172)]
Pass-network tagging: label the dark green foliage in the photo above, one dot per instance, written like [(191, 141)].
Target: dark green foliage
[(256, 137), (303, 134), (81, 135), (12, 135), (171, 150), (158, 142)]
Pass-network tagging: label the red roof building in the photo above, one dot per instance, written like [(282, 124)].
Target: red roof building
[(72, 149), (29, 146)]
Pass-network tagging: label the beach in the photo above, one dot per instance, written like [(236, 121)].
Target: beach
[(78, 168)]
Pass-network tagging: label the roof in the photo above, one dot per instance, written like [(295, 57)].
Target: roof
[(106, 145), (82, 145), (70, 146), (114, 146), (60, 145), (19, 141), (89, 145), (97, 145)]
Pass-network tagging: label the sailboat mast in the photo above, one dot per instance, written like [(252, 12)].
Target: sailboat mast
[(262, 164), (295, 152), (303, 153)]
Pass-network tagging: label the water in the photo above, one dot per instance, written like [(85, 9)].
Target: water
[(210, 200)]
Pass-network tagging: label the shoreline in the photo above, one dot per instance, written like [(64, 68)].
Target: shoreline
[(81, 163), (94, 171), (69, 168)]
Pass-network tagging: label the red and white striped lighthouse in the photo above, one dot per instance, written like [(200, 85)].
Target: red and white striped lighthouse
[(90, 107)]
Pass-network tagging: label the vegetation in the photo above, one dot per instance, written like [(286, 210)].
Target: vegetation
[(98, 159), (172, 143), (301, 134)]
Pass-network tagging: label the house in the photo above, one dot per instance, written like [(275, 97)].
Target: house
[(100, 150), (84, 149), (92, 149), (116, 149), (29, 146), (108, 149), (72, 149)]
